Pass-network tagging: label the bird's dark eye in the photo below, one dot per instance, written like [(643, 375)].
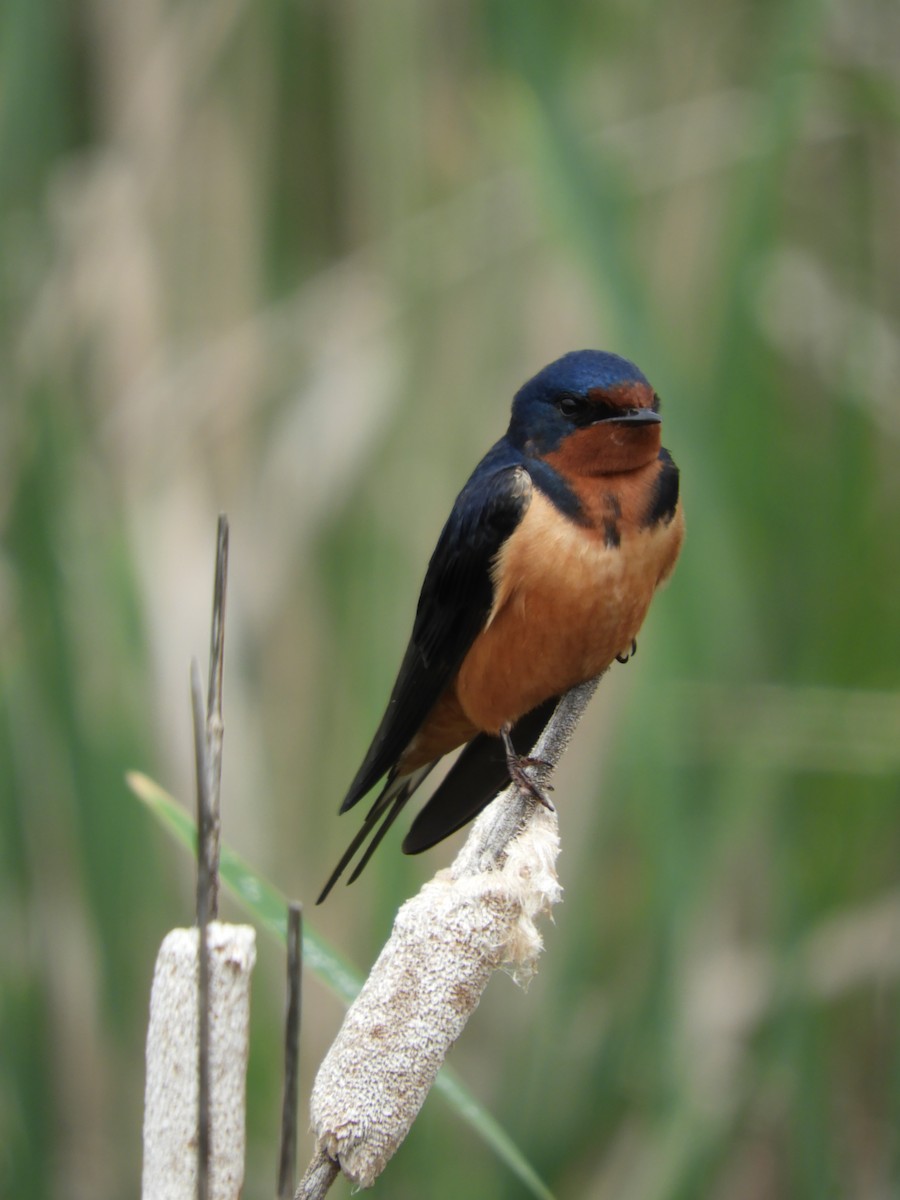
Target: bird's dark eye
[(568, 405)]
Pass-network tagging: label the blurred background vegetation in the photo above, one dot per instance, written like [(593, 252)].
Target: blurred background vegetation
[(290, 260)]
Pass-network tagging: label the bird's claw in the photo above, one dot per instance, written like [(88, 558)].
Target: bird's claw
[(623, 658), (517, 764), (525, 760), (524, 781)]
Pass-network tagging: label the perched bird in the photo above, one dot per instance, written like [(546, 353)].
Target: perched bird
[(542, 575)]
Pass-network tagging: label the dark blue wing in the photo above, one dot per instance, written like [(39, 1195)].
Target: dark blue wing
[(454, 605)]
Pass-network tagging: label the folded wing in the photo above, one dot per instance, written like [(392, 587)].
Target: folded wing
[(454, 604)]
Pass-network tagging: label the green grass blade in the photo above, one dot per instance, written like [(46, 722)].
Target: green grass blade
[(268, 907), (265, 903), (490, 1131)]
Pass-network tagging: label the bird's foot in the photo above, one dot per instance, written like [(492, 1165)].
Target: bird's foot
[(623, 658), (525, 760), (516, 765)]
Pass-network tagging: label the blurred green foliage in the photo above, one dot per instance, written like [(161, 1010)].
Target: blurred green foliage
[(290, 261)]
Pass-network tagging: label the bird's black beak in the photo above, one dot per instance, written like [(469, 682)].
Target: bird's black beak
[(637, 416)]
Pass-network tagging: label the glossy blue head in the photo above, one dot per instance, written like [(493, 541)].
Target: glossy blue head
[(589, 413), (579, 392), (581, 370)]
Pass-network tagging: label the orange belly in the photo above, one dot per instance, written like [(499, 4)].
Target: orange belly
[(565, 605)]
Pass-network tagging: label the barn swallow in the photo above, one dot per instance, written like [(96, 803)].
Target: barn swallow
[(542, 575)]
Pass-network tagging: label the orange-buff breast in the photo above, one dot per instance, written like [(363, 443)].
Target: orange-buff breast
[(565, 605)]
